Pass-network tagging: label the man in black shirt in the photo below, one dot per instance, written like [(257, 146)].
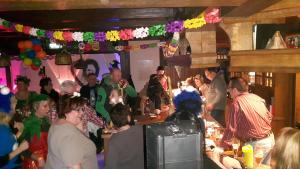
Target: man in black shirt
[(89, 91)]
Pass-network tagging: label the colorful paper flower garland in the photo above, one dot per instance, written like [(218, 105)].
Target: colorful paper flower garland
[(209, 16)]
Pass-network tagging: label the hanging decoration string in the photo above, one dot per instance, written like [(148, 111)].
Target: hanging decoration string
[(209, 16)]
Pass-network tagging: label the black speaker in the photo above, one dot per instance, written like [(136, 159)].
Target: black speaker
[(172, 145)]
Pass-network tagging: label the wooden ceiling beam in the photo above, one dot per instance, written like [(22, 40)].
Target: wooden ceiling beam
[(251, 7), (102, 26), (14, 5), (275, 15), (274, 60), (92, 14)]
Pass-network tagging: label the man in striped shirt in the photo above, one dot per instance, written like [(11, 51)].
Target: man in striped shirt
[(249, 119)]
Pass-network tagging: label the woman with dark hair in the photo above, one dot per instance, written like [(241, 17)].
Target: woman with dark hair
[(68, 146), (157, 93), (201, 85), (47, 89), (23, 95)]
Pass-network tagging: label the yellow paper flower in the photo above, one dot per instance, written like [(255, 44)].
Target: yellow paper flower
[(112, 35), (194, 23), (19, 27), (58, 35)]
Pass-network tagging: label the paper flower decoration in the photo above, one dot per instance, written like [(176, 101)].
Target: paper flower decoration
[(88, 36), (175, 26), (87, 47), (152, 45), (67, 36), (40, 33), (126, 34), (112, 36), (95, 46), (141, 32), (26, 29), (6, 23), (212, 15), (100, 36), (81, 46), (19, 27), (49, 34), (144, 46), (194, 23), (58, 35), (77, 36), (32, 31), (157, 30), (12, 27)]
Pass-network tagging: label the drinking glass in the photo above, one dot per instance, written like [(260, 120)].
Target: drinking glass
[(235, 146), (258, 155)]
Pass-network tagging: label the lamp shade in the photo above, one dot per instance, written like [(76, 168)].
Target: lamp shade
[(63, 58)]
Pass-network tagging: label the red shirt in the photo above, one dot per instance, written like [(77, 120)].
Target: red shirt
[(248, 118)]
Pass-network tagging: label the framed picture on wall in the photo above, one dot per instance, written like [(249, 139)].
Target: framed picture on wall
[(293, 41)]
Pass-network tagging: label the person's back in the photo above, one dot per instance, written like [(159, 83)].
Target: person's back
[(126, 146), (126, 149), (253, 107)]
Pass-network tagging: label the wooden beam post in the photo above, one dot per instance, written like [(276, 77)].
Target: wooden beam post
[(283, 101), (203, 46)]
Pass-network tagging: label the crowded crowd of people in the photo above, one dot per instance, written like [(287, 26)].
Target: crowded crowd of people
[(62, 130)]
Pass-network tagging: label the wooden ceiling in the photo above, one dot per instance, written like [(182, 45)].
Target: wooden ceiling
[(14, 5), (100, 15)]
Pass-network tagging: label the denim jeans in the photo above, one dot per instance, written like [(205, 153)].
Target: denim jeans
[(219, 116)]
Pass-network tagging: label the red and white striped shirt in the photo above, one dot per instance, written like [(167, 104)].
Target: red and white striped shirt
[(249, 118)]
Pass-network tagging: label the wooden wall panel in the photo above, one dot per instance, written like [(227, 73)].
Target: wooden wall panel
[(283, 101), (297, 98)]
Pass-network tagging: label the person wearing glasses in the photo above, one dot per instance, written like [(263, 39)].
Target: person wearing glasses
[(249, 119)]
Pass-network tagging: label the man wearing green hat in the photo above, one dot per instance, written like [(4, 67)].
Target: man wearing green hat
[(36, 128)]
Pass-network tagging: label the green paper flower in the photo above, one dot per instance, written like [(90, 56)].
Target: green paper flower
[(40, 33), (6, 24), (88, 36), (157, 30)]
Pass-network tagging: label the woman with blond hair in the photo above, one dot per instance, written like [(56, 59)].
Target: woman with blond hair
[(286, 153)]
